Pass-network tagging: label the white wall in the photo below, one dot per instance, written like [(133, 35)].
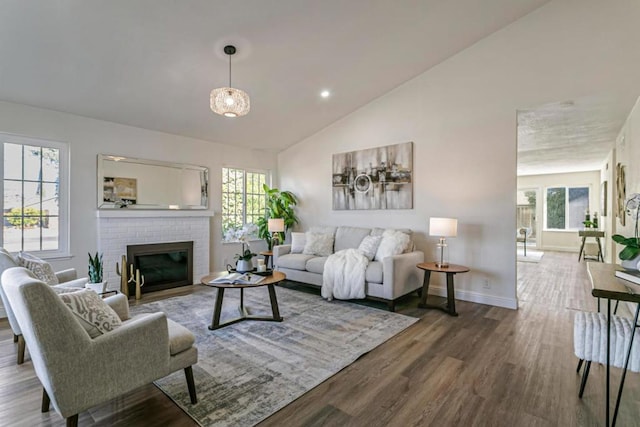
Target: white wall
[(608, 222), (88, 137), (461, 116), (555, 240), (628, 154)]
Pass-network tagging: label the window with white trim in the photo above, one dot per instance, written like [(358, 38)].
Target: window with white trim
[(35, 202), (566, 207), (243, 198)]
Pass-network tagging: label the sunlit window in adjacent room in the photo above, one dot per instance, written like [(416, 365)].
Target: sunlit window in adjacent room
[(566, 207)]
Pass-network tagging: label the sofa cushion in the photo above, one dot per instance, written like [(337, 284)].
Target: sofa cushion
[(326, 229), (393, 242), (316, 264), (95, 316), (298, 241), (380, 231), (369, 246), (350, 237), (410, 247), (39, 267), (319, 244), (374, 272), (180, 338), (294, 261)]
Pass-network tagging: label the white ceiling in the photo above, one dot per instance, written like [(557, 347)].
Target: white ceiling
[(571, 136), (152, 63)]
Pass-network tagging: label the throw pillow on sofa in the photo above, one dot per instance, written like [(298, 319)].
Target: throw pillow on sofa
[(39, 267), (95, 315), (393, 242), (319, 244), (369, 246), (298, 241)]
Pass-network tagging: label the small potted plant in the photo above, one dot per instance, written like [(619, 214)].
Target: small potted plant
[(96, 282), (243, 260), (630, 255)]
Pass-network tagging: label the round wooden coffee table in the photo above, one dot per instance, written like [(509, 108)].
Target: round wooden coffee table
[(269, 282)]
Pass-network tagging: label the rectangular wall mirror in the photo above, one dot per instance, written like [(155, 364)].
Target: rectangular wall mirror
[(130, 183)]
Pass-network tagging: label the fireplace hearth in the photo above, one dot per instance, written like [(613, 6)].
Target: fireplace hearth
[(163, 265)]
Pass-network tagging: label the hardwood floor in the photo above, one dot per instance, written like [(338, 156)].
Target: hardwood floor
[(487, 367)]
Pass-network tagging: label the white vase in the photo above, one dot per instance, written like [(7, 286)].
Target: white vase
[(630, 264), (98, 288), (243, 266)]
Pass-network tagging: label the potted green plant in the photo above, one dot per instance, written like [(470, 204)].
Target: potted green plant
[(96, 282), (630, 255), (279, 204), (243, 260)]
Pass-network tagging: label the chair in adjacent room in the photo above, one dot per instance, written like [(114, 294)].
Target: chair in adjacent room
[(67, 277), (522, 235), (77, 371)]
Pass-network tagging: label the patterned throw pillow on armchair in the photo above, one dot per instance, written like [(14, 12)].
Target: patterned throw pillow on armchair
[(39, 267)]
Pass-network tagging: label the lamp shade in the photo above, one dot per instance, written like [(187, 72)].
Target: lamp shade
[(276, 225), (443, 227), (230, 102)]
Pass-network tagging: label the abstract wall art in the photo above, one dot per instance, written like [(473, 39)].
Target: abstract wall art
[(375, 178)]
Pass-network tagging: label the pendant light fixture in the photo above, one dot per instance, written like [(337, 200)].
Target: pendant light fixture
[(227, 101)]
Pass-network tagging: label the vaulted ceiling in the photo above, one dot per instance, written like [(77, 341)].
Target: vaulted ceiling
[(152, 63)]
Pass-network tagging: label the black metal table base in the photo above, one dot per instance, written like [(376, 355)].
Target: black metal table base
[(450, 306), (244, 315)]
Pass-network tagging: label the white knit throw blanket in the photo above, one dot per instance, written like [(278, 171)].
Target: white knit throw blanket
[(590, 339), (344, 275)]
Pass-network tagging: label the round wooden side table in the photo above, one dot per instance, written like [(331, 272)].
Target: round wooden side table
[(267, 255), (451, 270)]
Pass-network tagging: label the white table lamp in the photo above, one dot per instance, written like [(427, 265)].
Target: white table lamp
[(275, 226), (443, 227)]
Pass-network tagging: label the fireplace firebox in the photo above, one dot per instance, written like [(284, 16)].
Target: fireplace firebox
[(163, 265)]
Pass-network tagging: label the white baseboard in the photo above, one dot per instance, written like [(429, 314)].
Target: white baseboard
[(575, 249), (477, 297)]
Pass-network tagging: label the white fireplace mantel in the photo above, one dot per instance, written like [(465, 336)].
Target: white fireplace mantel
[(139, 213), (118, 229)]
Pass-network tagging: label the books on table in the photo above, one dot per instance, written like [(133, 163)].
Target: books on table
[(239, 279), (631, 276)]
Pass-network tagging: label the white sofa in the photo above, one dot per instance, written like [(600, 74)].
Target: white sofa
[(385, 280)]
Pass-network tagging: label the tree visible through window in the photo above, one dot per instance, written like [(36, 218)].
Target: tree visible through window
[(243, 198), (33, 209), (566, 207)]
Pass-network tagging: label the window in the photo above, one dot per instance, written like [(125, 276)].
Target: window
[(35, 198), (243, 198), (566, 207)]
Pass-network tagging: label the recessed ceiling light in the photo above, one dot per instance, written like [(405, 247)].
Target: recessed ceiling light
[(325, 93)]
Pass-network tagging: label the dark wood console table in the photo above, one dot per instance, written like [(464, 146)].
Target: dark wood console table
[(597, 234), (605, 284)]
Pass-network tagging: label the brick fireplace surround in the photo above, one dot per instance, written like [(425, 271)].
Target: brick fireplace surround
[(117, 229)]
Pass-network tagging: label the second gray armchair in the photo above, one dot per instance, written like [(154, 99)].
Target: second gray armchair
[(78, 372)]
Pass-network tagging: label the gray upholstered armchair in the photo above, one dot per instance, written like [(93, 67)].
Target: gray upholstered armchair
[(66, 278), (78, 372)]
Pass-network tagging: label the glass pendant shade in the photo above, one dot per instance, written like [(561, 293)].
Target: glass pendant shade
[(230, 102)]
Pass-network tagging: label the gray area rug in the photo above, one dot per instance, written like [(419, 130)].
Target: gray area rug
[(249, 370)]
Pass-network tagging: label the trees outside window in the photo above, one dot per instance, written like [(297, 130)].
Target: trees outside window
[(34, 195), (566, 207), (243, 199)]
